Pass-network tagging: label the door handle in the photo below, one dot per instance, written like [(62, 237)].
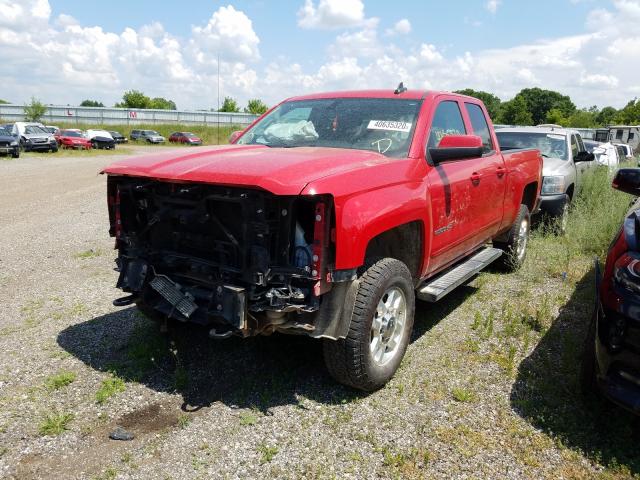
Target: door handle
[(500, 171), (475, 178)]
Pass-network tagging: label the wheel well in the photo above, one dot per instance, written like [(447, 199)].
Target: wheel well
[(404, 243), (529, 195), (570, 192)]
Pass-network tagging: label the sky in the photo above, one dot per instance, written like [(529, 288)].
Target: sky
[(65, 51)]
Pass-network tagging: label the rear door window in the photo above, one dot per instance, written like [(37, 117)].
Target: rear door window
[(446, 121), (480, 126)]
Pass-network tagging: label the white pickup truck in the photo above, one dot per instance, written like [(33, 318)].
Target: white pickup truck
[(565, 161)]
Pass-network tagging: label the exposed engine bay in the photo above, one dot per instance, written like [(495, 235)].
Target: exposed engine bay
[(241, 261)]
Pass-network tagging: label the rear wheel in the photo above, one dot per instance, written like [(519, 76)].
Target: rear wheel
[(515, 247), (379, 331)]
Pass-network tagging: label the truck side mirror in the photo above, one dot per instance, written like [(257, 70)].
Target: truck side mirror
[(584, 157), (457, 147), (627, 180), (234, 136)]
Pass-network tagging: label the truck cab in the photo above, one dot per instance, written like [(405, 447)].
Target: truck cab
[(327, 217)]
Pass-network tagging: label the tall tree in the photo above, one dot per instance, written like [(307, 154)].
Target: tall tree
[(35, 110), (229, 105), (515, 112), (3, 102), (491, 101), (134, 99), (605, 116), (540, 101), (91, 103), (256, 106), (162, 104)]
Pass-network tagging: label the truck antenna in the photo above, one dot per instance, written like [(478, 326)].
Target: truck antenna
[(401, 89)]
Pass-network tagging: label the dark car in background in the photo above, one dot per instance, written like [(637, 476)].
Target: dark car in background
[(611, 357), (187, 138), (118, 137), (101, 139), (9, 144)]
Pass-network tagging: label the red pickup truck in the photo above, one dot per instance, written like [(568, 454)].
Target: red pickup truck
[(326, 217)]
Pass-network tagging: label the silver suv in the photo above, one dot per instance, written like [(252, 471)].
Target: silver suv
[(565, 161)]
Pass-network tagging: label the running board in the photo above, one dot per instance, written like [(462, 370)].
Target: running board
[(434, 289)]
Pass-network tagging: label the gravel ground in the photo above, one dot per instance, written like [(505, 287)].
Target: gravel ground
[(258, 408)]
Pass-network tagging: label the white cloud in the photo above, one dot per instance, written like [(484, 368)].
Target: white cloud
[(331, 14), (598, 80), (401, 27), (492, 5)]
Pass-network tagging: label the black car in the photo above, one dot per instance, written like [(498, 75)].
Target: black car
[(118, 137), (611, 358), (103, 142), (8, 143)]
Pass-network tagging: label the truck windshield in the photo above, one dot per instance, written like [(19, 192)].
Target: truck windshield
[(381, 125), (550, 144)]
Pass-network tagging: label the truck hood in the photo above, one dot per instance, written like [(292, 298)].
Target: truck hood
[(282, 171), (555, 166)]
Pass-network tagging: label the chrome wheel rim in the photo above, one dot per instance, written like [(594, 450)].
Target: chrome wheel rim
[(523, 238), (388, 325)]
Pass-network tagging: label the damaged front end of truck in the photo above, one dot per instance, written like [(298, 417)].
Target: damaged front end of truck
[(239, 261)]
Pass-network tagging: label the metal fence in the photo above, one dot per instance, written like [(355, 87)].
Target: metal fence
[(126, 116)]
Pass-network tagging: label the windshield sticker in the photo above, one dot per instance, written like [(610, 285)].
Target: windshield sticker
[(555, 136), (389, 125)]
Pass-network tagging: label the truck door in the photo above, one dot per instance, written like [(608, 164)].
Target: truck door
[(489, 190), (450, 190), (581, 167)]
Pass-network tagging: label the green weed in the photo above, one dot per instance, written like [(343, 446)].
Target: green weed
[(60, 380), (109, 387), (55, 423)]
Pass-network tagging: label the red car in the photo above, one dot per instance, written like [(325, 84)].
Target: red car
[(327, 217), (185, 137), (72, 139)]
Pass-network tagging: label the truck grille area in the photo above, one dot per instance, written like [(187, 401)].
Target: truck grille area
[(225, 249)]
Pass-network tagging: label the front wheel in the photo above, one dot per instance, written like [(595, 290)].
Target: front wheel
[(515, 247), (15, 154), (379, 331)]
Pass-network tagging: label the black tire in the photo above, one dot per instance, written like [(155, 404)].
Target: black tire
[(514, 252), (588, 385), (54, 149), (350, 360), (15, 154)]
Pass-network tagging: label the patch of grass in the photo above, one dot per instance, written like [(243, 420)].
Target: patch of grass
[(407, 464), (267, 453), (184, 420), (55, 423), (108, 474), (463, 395), (248, 418), (91, 253), (110, 387), (60, 380)]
